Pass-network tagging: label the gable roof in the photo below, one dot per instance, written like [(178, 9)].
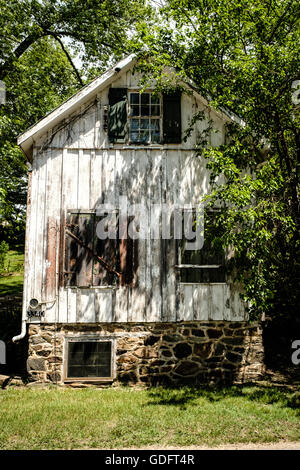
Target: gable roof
[(25, 140)]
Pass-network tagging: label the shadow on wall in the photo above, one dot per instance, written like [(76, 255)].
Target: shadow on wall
[(10, 323), (278, 336), (194, 354)]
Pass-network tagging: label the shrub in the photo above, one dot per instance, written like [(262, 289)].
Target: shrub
[(3, 253)]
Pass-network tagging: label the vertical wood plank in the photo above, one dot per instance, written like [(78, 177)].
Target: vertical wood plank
[(236, 307), (87, 126), (96, 186), (154, 245), (86, 306), (140, 293), (201, 302), (217, 302), (71, 304), (32, 233), (69, 187), (188, 305), (122, 182), (39, 256), (170, 188), (104, 305), (52, 216), (84, 167)]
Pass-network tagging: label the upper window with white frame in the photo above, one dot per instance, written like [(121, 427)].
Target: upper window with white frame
[(144, 118)]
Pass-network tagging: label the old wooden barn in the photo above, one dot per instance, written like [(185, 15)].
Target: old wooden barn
[(141, 309)]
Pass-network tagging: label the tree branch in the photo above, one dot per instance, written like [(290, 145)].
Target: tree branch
[(21, 48), (280, 20), (57, 38), (73, 36)]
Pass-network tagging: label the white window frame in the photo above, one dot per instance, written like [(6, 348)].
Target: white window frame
[(159, 118)]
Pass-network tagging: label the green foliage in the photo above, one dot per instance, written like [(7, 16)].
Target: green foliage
[(4, 247), (39, 71), (96, 29), (40, 81), (243, 55), (11, 271)]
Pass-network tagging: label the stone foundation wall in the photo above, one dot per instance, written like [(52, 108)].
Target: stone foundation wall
[(160, 353)]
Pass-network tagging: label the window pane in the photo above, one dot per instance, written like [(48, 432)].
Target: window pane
[(134, 98), (134, 136), (106, 246), (144, 124), (155, 124), (145, 98), (89, 359), (155, 130), (155, 110), (134, 110), (145, 110), (155, 137), (155, 99), (144, 136), (134, 124), (204, 275)]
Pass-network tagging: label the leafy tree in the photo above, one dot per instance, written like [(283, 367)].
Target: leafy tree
[(4, 247), (37, 66), (97, 29), (41, 79), (243, 56)]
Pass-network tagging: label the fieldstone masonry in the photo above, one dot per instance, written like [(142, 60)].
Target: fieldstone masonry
[(158, 353)]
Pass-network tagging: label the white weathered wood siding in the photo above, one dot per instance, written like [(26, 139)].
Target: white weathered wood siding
[(74, 167)]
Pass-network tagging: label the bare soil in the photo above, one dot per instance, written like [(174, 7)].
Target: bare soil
[(283, 445)]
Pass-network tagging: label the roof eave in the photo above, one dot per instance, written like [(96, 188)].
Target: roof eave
[(26, 140)]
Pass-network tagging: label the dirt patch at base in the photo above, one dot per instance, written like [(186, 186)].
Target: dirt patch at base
[(283, 445)]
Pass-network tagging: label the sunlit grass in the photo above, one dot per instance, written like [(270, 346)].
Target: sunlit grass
[(11, 278), (124, 417)]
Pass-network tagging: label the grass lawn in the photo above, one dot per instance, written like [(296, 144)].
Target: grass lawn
[(11, 279), (123, 417)]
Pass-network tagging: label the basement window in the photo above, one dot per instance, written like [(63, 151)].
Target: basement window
[(206, 265), (89, 359)]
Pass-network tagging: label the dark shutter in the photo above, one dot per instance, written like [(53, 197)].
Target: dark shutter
[(95, 260), (79, 259), (117, 114), (172, 118), (128, 255), (107, 249)]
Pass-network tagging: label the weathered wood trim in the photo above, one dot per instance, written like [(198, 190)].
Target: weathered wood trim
[(27, 244), (120, 147)]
